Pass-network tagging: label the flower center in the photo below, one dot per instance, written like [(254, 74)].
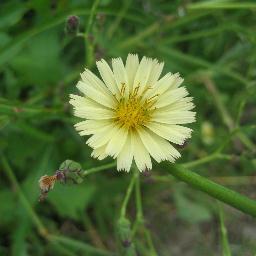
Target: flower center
[(132, 111)]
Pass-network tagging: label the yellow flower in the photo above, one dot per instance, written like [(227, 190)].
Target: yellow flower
[(132, 114)]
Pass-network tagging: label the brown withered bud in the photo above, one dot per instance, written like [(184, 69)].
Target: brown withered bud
[(72, 25), (46, 183)]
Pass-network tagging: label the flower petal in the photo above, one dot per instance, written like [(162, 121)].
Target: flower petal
[(88, 127), (125, 157), (99, 153), (174, 117), (131, 66), (142, 74), (91, 79), (170, 97), (168, 82), (86, 108), (155, 72), (181, 105), (120, 76), (103, 137), (174, 133), (96, 95), (159, 148), (140, 153), (117, 142), (107, 76)]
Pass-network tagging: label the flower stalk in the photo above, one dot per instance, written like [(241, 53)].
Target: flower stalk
[(215, 190)]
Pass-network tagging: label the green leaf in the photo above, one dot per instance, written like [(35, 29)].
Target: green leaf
[(11, 13), (39, 64), (7, 207), (4, 39), (70, 201)]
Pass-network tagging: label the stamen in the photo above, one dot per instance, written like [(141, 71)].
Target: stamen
[(133, 111), (122, 89)]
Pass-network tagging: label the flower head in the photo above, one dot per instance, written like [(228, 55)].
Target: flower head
[(132, 114)]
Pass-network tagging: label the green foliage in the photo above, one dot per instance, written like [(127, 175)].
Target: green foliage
[(211, 44), (190, 210), (70, 201)]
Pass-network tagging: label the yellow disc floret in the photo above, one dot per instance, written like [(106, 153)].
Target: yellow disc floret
[(132, 111)]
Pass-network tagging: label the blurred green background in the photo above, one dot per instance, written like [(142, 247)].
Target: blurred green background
[(212, 44)]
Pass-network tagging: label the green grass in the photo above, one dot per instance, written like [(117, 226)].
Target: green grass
[(212, 45)]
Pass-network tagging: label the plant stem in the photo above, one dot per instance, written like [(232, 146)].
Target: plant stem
[(41, 229), (227, 119), (215, 190), (118, 19), (206, 159), (79, 245), (140, 36), (227, 181), (203, 64), (89, 45), (127, 196), (221, 6), (223, 230), (98, 169), (140, 216), (138, 198)]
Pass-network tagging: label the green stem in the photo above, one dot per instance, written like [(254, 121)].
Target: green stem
[(139, 210), (201, 63), (224, 235), (89, 44), (79, 245), (155, 27), (138, 198), (98, 169), (127, 196), (41, 229), (118, 19), (140, 36), (226, 117), (215, 190), (227, 181), (92, 13), (140, 217), (212, 5), (206, 159)]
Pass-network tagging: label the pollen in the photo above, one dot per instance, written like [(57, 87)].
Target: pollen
[(133, 111)]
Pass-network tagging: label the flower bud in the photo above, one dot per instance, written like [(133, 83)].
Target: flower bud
[(125, 236), (72, 25)]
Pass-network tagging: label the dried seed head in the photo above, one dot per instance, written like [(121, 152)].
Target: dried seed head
[(46, 183)]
